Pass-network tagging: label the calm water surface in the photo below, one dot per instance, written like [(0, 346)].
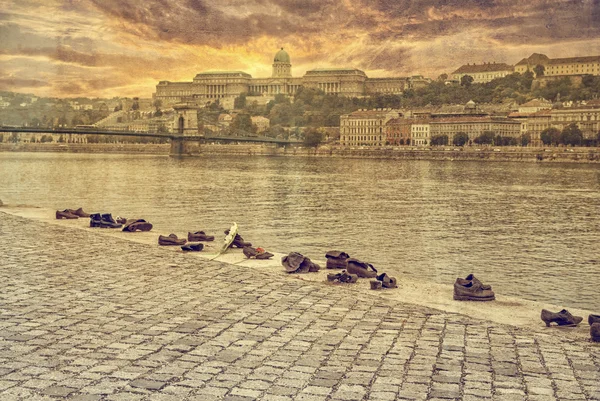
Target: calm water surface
[(530, 230)]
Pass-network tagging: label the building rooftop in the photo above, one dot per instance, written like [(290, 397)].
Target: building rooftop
[(534, 59), (363, 113), (317, 71), (537, 103), (236, 73), (474, 119), (485, 67), (572, 60), (282, 57)]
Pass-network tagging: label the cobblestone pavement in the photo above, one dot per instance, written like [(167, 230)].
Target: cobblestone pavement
[(85, 316)]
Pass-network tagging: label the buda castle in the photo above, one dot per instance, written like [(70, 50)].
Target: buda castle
[(227, 85)]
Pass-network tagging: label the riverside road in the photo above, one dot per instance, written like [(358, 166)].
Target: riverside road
[(85, 316)]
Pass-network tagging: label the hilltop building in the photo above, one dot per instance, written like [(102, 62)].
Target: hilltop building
[(351, 82), (560, 66), (482, 73)]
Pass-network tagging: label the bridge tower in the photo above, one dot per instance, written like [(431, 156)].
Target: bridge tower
[(185, 125)]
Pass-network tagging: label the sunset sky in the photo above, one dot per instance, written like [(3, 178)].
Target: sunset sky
[(108, 48)]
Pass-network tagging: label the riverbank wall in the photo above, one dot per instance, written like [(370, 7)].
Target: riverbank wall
[(518, 154)]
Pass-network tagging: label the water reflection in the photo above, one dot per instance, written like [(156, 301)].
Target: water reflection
[(532, 230)]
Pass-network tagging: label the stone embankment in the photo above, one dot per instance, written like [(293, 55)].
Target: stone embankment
[(519, 154), (159, 149), (91, 314)]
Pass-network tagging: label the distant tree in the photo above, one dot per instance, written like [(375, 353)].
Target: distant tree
[(14, 137), (460, 139), (466, 81), (312, 138), (539, 70), (439, 140), (550, 136), (486, 138), (157, 103), (62, 121), (1, 138), (76, 120), (275, 131), (136, 104), (61, 139), (442, 77), (242, 122), (571, 135), (525, 139), (46, 138), (240, 101)]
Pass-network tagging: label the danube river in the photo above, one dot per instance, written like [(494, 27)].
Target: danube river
[(530, 230)]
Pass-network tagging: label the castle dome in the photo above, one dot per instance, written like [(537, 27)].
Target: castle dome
[(282, 57)]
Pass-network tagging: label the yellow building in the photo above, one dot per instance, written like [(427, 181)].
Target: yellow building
[(482, 73), (587, 65), (365, 127), (474, 127)]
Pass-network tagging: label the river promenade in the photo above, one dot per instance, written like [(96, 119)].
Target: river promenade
[(88, 315)]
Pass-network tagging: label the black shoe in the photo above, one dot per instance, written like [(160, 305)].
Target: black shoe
[(192, 247)]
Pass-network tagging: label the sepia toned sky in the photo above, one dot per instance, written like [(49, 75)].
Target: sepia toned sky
[(108, 48)]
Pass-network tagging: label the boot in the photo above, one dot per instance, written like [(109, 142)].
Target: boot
[(336, 260), (361, 269)]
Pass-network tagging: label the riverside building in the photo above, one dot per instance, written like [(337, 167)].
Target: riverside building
[(212, 85), (366, 127)]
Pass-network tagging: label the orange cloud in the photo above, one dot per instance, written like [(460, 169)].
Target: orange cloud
[(124, 47)]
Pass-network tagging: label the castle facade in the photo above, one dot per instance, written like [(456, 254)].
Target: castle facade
[(351, 82)]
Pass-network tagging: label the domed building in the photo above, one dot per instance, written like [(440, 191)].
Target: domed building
[(227, 85), (282, 67)]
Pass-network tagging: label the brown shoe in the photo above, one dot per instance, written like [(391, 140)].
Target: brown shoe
[(475, 281), (595, 332), (238, 241), (387, 281), (361, 269), (336, 260), (471, 291), (297, 263), (137, 225), (348, 277), (65, 214), (171, 239), (376, 284), (593, 319), (258, 253), (200, 236), (263, 255), (79, 212), (562, 318), (292, 261), (308, 266)]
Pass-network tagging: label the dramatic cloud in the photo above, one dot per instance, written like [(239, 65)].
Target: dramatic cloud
[(124, 47)]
